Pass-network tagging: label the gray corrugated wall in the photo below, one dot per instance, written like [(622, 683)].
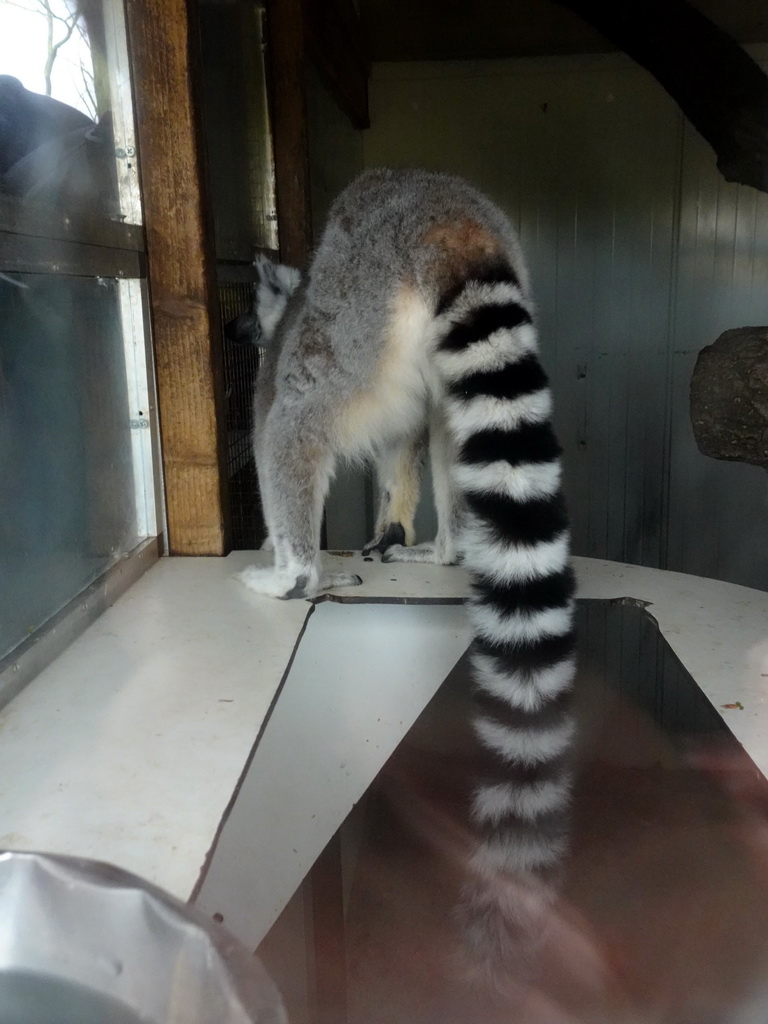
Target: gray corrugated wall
[(640, 255), (718, 511)]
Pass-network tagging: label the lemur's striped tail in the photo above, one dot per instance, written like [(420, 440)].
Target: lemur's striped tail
[(515, 544)]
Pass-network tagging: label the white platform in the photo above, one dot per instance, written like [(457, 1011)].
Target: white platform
[(131, 746)]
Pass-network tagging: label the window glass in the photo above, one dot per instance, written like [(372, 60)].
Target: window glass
[(66, 122), (75, 452)]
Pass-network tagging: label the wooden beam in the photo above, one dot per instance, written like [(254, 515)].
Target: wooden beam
[(334, 41), (164, 43), (717, 85), (285, 61)]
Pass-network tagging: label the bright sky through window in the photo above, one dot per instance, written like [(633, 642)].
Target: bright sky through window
[(24, 48)]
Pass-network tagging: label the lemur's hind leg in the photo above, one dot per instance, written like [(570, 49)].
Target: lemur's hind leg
[(399, 473), (295, 468), (442, 550)]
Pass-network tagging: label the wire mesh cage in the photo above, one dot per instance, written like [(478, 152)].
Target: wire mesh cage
[(240, 169), (241, 365)]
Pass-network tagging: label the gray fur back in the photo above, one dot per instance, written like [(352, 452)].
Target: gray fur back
[(373, 242)]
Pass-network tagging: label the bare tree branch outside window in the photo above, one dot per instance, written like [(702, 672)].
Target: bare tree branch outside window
[(63, 21)]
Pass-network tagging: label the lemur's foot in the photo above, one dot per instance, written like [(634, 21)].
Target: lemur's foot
[(417, 553), (393, 534), (427, 552), (286, 585), (339, 579), (283, 585)]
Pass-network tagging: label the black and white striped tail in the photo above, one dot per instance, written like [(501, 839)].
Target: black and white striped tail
[(515, 544)]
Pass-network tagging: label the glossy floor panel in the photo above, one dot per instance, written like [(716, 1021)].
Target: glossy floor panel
[(662, 915)]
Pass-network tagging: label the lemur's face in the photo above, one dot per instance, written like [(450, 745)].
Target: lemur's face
[(245, 329), (270, 297)]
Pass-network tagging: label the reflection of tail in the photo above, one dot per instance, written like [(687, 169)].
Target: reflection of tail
[(515, 545)]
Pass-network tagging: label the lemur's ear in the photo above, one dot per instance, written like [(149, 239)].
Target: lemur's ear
[(276, 285), (267, 271), (279, 278), (276, 276)]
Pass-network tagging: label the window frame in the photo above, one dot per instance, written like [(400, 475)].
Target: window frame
[(39, 238)]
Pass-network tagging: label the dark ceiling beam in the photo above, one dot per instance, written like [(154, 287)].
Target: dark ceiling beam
[(716, 84)]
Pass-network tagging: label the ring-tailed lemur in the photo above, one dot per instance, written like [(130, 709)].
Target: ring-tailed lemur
[(415, 317)]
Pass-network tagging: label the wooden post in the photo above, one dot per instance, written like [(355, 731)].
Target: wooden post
[(285, 60), (164, 43)]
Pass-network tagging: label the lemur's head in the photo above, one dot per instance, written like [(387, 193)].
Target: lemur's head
[(270, 297)]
